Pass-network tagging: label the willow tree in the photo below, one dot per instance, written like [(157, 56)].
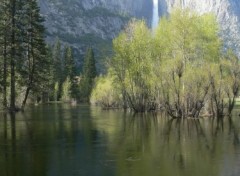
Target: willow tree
[(105, 93), (225, 84), (233, 81), (132, 65), (185, 42), (179, 68)]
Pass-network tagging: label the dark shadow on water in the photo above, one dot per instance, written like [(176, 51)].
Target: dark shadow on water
[(8, 144), (233, 130), (14, 148), (60, 140)]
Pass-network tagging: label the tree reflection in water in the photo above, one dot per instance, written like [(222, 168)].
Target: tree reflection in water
[(164, 146), (61, 140)]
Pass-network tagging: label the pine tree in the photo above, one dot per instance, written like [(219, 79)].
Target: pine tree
[(48, 90), (10, 21), (70, 71), (36, 62), (58, 68), (16, 38), (88, 76), (23, 49), (4, 38), (13, 44), (69, 62)]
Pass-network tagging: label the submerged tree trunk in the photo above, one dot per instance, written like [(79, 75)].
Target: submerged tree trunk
[(5, 73), (31, 70), (25, 98), (13, 55)]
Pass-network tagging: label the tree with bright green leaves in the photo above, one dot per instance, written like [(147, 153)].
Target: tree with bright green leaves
[(105, 94), (180, 68), (224, 85), (186, 44), (88, 75), (132, 65), (66, 90)]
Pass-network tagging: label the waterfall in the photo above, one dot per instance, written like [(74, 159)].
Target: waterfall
[(155, 17)]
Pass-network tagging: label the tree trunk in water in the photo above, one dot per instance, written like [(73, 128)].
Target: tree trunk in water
[(13, 55), (5, 74), (45, 97), (13, 96), (25, 98), (125, 106)]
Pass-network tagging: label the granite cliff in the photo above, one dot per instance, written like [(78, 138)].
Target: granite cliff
[(83, 23)]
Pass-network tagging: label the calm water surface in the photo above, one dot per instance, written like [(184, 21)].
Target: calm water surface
[(59, 140)]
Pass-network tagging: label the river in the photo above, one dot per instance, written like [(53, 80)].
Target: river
[(60, 140)]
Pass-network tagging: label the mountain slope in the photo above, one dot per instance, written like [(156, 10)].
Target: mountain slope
[(84, 23)]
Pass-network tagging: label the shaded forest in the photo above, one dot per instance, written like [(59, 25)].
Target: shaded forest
[(31, 71)]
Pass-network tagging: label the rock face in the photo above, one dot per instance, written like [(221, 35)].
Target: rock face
[(84, 23), (227, 13), (100, 17)]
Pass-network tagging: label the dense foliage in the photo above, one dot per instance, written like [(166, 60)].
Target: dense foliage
[(179, 68), (88, 76), (67, 85), (64, 83), (23, 59), (31, 71)]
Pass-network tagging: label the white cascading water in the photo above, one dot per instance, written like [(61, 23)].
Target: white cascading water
[(155, 18)]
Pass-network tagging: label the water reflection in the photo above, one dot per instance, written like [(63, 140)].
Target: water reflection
[(59, 140)]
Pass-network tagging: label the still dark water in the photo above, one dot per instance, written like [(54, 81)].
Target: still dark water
[(59, 140)]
